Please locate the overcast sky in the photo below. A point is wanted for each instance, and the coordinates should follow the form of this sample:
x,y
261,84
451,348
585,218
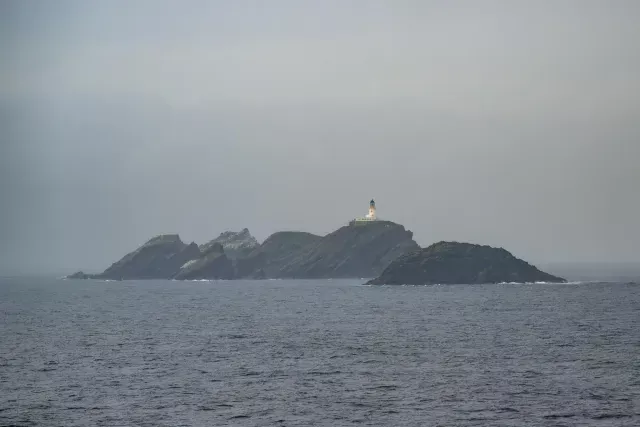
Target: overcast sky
x,y
510,123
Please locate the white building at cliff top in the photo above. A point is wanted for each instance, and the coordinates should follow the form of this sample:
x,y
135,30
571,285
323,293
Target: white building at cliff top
x,y
371,216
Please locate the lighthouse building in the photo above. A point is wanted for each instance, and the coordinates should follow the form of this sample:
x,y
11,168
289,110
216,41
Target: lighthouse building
x,y
371,216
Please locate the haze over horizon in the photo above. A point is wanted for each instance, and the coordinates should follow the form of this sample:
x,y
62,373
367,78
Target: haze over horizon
x,y
513,125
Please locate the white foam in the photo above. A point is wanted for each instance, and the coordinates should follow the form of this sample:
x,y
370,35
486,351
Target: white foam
x,y
188,263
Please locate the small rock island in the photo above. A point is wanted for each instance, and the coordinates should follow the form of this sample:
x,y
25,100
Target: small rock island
x,y
460,263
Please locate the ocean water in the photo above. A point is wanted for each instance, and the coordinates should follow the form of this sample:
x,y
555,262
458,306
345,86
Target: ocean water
x,y
326,353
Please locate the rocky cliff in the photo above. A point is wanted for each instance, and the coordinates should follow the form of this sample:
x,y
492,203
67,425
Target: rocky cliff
x,y
159,258
351,251
453,262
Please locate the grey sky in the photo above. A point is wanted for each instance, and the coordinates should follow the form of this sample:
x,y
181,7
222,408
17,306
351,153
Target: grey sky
x,y
509,123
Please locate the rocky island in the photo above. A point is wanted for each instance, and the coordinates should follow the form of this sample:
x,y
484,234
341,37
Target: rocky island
x,y
366,247
453,262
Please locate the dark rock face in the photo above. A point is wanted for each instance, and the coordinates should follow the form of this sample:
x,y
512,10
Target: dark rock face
x,y
351,251
453,262
214,264
159,258
215,248
236,244
274,254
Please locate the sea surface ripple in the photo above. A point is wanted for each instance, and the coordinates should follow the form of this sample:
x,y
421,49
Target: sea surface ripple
x,y
325,353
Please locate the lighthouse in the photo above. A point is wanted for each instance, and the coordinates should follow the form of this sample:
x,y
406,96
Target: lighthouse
x,y
369,218
372,210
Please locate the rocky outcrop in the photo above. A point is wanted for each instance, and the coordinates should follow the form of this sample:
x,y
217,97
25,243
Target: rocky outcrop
x,y
236,244
213,264
218,256
351,251
159,258
80,275
453,262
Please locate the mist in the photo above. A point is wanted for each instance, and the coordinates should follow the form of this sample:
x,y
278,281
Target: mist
x,y
514,125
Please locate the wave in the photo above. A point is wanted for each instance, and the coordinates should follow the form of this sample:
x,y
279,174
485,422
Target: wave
x,y
486,284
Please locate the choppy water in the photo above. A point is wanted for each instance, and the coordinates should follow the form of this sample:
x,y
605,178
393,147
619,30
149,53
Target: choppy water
x,y
332,353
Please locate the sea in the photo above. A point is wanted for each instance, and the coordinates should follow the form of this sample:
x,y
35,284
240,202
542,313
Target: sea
x,y
317,353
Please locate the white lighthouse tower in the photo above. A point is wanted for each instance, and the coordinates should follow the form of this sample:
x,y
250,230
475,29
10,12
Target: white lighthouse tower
x,y
369,218
372,210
